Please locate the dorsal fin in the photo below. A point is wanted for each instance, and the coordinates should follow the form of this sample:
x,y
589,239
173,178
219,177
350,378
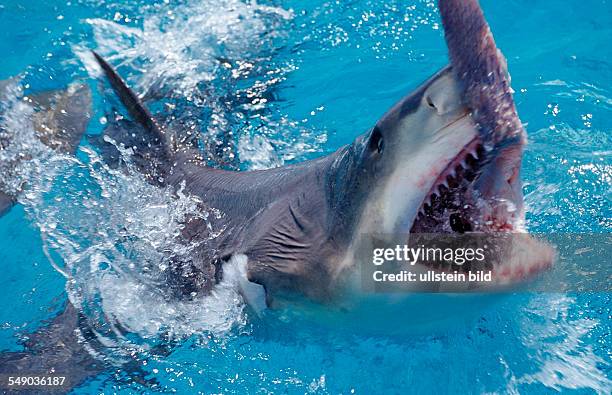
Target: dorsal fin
x,y
132,103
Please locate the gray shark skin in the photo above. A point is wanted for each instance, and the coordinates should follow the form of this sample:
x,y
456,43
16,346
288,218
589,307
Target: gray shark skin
x,y
296,222
440,161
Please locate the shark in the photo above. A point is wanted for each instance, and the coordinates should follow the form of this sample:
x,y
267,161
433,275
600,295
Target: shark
x,y
445,159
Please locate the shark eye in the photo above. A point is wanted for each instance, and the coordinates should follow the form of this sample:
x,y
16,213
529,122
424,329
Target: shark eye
x,y
377,143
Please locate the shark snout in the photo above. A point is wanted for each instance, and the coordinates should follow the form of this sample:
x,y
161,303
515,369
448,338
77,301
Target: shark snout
x,y
443,97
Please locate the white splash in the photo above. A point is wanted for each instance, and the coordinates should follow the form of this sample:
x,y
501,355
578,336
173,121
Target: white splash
x,y
110,233
108,230
21,153
217,60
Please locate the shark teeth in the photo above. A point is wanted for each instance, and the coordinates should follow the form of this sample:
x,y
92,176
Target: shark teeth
x,y
456,172
456,167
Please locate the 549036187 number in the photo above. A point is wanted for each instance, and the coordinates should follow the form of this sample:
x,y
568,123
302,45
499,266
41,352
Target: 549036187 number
x,y
12,381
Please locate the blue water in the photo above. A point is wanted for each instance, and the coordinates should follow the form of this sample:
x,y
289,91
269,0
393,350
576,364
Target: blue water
x,y
327,71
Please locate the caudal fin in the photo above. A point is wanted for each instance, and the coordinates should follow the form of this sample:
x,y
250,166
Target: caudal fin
x,y
59,120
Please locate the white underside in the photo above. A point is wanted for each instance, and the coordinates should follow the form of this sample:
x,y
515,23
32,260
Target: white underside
x,y
235,270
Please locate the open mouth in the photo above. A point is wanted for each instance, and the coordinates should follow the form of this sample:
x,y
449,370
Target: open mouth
x,y
454,205
457,205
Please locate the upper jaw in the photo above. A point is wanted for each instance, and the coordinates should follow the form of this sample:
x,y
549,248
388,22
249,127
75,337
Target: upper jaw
x,y
488,196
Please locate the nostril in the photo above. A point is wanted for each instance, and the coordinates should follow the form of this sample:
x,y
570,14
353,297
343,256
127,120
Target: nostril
x,y
430,102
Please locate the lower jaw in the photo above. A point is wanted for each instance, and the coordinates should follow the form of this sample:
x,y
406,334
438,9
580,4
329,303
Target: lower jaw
x,y
513,258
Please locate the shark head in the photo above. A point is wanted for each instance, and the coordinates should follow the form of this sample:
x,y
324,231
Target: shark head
x,y
447,157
